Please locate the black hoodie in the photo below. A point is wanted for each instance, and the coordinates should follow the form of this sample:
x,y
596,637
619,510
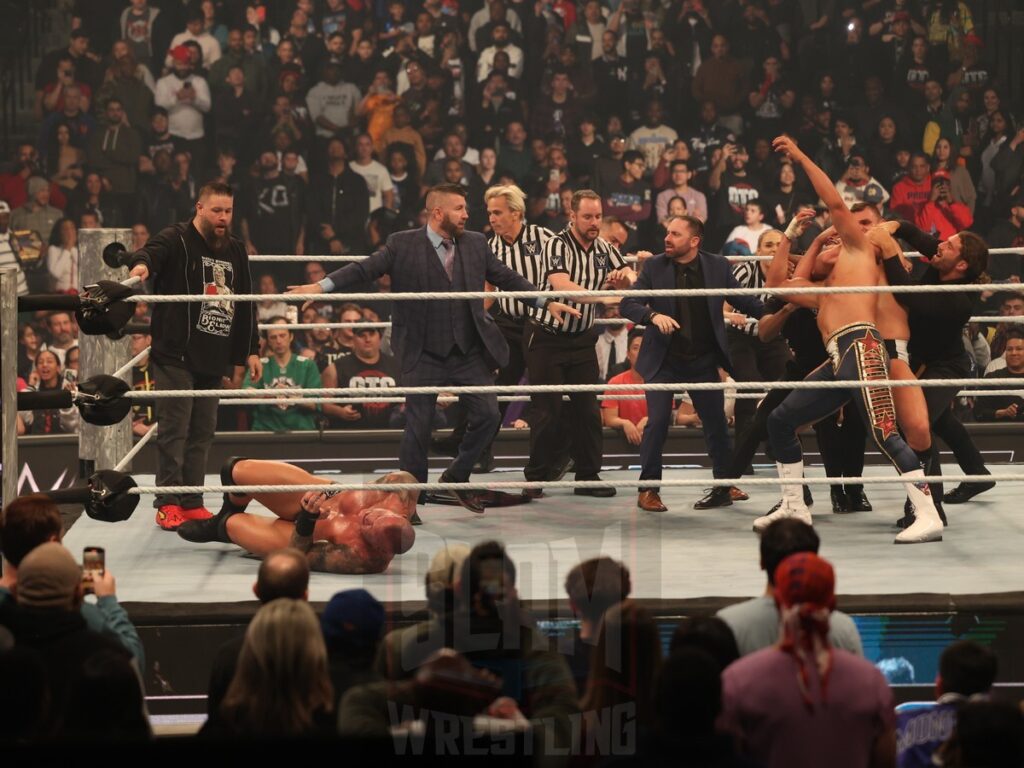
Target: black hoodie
x,y
209,337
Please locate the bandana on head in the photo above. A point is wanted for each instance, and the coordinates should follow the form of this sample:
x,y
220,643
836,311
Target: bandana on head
x,y
805,592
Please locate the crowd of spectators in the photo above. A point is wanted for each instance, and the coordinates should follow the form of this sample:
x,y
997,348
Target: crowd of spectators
x,y
331,118
777,680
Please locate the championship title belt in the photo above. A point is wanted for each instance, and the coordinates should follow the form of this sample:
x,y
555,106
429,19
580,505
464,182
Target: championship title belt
x,y
28,248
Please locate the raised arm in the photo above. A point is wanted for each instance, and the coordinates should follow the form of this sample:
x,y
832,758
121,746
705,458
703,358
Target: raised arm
x,y
844,222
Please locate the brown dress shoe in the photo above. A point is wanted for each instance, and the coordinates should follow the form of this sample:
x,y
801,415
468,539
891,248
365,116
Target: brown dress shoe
x,y
737,495
650,501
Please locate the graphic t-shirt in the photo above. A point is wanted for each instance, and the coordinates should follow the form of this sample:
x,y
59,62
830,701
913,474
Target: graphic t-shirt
x,y
300,372
374,377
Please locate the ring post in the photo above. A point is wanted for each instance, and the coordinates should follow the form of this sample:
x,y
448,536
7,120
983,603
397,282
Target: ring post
x,y
9,382
102,447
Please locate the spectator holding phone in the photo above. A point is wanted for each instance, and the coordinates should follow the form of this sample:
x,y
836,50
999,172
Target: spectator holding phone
x,y
32,520
941,215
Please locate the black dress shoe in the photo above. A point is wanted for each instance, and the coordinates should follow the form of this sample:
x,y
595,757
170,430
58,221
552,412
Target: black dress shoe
x,y
562,469
808,499
856,501
600,493
717,497
965,492
469,499
446,446
839,500
484,464
533,493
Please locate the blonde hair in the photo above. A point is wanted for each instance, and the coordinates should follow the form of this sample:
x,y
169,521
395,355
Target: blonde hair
x,y
515,198
281,680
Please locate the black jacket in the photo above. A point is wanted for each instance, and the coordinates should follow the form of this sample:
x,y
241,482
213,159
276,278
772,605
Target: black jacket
x,y
343,201
205,337
936,321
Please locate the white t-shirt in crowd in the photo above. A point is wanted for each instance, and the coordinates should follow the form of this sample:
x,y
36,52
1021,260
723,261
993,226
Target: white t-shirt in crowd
x,y
378,180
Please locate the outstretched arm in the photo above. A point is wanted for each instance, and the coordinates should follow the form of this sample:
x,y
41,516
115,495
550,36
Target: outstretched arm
x,y
842,219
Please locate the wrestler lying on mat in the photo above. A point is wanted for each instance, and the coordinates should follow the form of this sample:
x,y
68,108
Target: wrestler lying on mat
x,y
340,532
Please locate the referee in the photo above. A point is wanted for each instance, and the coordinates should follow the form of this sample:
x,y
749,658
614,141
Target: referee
x,y
520,247
577,258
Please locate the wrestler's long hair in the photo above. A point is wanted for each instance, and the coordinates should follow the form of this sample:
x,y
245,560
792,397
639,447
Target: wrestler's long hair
x,y
281,682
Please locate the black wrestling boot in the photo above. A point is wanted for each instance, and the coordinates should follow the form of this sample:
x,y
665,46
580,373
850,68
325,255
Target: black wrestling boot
x,y
839,500
415,519
216,527
808,498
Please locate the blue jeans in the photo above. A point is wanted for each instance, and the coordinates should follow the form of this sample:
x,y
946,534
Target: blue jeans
x,y
709,404
858,354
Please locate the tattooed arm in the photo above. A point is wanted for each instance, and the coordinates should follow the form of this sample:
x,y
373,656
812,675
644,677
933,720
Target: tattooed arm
x,y
326,557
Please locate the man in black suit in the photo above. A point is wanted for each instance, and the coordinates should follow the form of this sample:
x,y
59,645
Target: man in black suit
x,y
685,342
441,343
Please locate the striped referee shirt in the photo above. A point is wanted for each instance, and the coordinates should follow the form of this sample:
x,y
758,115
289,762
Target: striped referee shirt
x,y
524,255
587,268
749,275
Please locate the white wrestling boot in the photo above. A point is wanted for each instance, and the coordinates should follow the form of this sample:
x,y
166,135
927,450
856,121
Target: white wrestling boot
x,y
927,525
792,498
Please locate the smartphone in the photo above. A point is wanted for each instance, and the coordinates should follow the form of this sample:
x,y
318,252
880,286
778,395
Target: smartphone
x,y
94,561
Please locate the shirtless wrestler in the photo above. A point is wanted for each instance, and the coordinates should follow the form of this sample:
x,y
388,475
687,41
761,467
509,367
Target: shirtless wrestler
x,y
893,324
857,352
346,532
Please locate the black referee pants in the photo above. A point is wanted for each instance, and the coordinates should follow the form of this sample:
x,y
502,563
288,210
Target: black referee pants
x,y
944,422
561,358
754,360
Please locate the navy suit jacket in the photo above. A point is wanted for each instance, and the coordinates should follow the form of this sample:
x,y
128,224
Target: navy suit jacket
x,y
659,273
414,266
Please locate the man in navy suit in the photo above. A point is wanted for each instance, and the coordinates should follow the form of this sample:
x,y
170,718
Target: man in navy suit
x,y
441,343
684,341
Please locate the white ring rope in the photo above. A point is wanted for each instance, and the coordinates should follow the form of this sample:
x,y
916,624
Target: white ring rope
x,y
462,295
287,258
990,319
127,367
562,388
229,400
566,484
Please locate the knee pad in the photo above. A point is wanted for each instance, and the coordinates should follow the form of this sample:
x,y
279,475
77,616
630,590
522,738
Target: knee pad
x,y
227,469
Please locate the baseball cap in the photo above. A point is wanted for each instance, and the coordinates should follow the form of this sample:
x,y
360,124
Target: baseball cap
x,y
180,54
4,207
900,16
874,194
352,619
77,33
48,577
941,175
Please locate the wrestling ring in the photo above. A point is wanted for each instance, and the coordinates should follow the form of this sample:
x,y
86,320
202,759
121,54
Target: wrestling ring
x,y
682,562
